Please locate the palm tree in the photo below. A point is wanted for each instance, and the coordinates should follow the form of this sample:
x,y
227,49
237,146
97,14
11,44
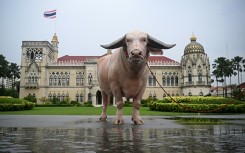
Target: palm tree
x,y
14,70
237,63
220,67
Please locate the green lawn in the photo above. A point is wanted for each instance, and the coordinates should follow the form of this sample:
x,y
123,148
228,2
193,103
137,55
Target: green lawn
x,y
144,111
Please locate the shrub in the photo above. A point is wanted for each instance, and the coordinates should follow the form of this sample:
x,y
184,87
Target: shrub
x,y
198,104
238,94
87,104
31,98
14,104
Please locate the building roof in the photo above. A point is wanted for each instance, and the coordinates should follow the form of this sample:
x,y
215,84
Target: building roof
x,y
68,58
242,85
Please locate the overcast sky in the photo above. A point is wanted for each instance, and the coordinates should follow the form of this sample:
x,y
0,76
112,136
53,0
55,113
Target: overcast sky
x,y
83,25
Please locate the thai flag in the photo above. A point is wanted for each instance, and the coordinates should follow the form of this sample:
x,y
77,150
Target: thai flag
x,y
50,14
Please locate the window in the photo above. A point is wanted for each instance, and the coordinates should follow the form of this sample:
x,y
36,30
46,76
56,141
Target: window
x,y
81,97
163,81
59,79
189,78
150,80
176,80
51,80
154,80
168,81
77,97
49,96
172,80
89,97
90,78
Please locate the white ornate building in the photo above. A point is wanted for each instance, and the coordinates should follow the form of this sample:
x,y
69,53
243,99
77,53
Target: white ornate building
x,y
43,74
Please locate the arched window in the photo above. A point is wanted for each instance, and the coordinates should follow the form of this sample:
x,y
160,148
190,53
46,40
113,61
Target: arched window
x,y
172,80
49,96
67,80
58,96
163,81
67,96
63,97
190,94
54,95
55,80
77,97
201,93
199,77
168,81
150,80
90,97
90,78
176,80
81,97
154,81
29,79
59,80
50,80
63,80
28,55
78,80
32,55
189,78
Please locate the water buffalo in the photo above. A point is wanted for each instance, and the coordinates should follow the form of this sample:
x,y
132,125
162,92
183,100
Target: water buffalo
x,y
124,73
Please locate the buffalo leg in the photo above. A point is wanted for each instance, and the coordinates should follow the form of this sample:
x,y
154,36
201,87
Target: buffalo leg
x,y
103,115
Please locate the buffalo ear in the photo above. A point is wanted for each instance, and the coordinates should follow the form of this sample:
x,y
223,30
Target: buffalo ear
x,y
157,44
155,51
115,44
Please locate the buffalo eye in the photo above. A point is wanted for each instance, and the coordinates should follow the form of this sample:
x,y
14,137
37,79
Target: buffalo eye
x,y
143,40
128,40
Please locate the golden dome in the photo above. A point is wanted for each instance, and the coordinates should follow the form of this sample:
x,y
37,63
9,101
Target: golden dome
x,y
193,46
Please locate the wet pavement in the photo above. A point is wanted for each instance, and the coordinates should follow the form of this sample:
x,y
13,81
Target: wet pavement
x,y
68,134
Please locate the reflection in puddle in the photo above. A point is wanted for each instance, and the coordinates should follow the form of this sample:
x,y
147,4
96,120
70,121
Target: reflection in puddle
x,y
192,138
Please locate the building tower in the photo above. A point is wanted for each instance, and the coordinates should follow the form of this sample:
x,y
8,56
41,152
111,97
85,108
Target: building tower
x,y
195,79
34,59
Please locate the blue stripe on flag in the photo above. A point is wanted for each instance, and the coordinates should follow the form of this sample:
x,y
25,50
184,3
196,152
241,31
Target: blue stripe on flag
x,y
50,14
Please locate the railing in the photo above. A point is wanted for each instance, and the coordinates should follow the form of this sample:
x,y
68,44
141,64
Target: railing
x,y
163,63
31,85
67,63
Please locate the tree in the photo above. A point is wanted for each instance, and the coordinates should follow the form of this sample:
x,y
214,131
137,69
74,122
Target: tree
x,y
14,71
237,65
3,70
220,69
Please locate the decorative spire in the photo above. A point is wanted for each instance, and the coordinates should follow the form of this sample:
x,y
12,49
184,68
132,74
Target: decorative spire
x,y
193,37
55,39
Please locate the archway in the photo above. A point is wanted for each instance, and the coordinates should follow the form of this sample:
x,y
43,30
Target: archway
x,y
98,98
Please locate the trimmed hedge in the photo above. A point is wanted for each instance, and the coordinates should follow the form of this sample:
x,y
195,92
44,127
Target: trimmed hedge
x,y
15,104
198,104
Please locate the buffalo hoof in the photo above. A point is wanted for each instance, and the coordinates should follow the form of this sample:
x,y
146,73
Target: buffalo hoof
x,y
119,121
138,121
103,118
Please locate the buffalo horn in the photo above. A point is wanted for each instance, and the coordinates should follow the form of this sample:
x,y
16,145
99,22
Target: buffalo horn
x,y
153,42
115,44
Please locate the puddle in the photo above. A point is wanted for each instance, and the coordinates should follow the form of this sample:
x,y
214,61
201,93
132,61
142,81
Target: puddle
x,y
193,138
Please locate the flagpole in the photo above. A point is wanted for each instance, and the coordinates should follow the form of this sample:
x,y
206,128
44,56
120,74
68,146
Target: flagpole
x,y
55,22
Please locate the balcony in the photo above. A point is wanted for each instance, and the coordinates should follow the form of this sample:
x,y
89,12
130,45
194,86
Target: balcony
x,y
31,85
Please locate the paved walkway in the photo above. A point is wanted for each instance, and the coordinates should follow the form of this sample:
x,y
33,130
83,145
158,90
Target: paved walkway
x,y
66,121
